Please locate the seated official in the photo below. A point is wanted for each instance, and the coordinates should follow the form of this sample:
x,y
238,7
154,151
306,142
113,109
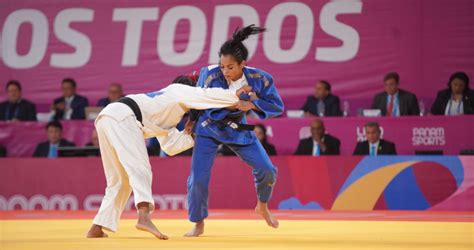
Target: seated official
x,y
322,103
395,101
70,106
114,93
16,108
457,99
319,143
49,148
374,146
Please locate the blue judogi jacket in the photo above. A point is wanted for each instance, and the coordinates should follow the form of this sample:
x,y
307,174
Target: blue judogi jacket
x,y
269,102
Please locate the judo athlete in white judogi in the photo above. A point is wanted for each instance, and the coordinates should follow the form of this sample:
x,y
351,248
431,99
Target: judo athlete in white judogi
x,y
122,127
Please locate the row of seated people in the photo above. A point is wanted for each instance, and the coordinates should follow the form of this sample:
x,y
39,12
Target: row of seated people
x,y
69,106
457,99
320,143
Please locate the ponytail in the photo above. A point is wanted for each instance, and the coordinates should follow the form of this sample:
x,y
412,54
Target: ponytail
x,y
235,47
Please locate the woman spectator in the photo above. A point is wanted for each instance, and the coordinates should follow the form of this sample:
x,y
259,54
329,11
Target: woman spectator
x,y
457,99
261,133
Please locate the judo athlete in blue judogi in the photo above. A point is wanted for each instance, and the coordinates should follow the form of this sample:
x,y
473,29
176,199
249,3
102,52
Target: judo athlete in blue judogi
x,y
226,126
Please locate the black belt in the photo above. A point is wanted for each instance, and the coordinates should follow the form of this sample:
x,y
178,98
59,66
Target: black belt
x,y
235,125
133,106
232,123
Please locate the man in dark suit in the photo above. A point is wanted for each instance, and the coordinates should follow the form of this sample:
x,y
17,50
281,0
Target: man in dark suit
x,y
395,101
70,106
322,103
457,99
114,93
16,108
49,148
374,145
319,143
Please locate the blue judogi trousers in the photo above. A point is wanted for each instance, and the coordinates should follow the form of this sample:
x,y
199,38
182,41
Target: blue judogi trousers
x,y
204,153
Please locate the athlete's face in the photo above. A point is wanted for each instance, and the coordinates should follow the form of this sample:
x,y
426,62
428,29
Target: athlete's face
x,y
231,69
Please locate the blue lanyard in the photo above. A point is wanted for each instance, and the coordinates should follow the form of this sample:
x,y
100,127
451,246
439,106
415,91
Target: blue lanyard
x,y
458,110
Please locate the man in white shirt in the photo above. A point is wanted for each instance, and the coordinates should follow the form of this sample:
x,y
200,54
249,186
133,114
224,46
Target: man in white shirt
x,y
122,127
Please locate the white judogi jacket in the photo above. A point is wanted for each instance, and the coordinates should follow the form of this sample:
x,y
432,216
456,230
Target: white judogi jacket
x,y
163,110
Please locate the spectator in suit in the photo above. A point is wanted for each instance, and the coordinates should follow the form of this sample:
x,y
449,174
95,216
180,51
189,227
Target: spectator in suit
x,y
322,103
70,106
16,108
114,93
3,151
374,145
395,101
49,148
457,99
320,143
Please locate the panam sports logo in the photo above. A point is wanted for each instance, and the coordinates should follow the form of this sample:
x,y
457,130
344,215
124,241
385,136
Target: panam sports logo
x,y
428,136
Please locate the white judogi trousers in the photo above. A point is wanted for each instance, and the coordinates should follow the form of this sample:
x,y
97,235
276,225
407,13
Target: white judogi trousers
x,y
127,168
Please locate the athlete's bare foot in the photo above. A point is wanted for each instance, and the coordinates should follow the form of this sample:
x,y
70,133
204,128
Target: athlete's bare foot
x,y
262,209
96,232
145,224
197,230
151,228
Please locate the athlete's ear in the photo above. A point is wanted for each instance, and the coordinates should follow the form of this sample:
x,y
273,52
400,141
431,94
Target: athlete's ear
x,y
243,64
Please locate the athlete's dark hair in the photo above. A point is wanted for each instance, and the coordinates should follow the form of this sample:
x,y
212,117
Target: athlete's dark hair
x,y
186,80
235,47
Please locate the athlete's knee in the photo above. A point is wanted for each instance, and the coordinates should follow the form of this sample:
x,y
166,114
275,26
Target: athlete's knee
x,y
198,181
267,175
